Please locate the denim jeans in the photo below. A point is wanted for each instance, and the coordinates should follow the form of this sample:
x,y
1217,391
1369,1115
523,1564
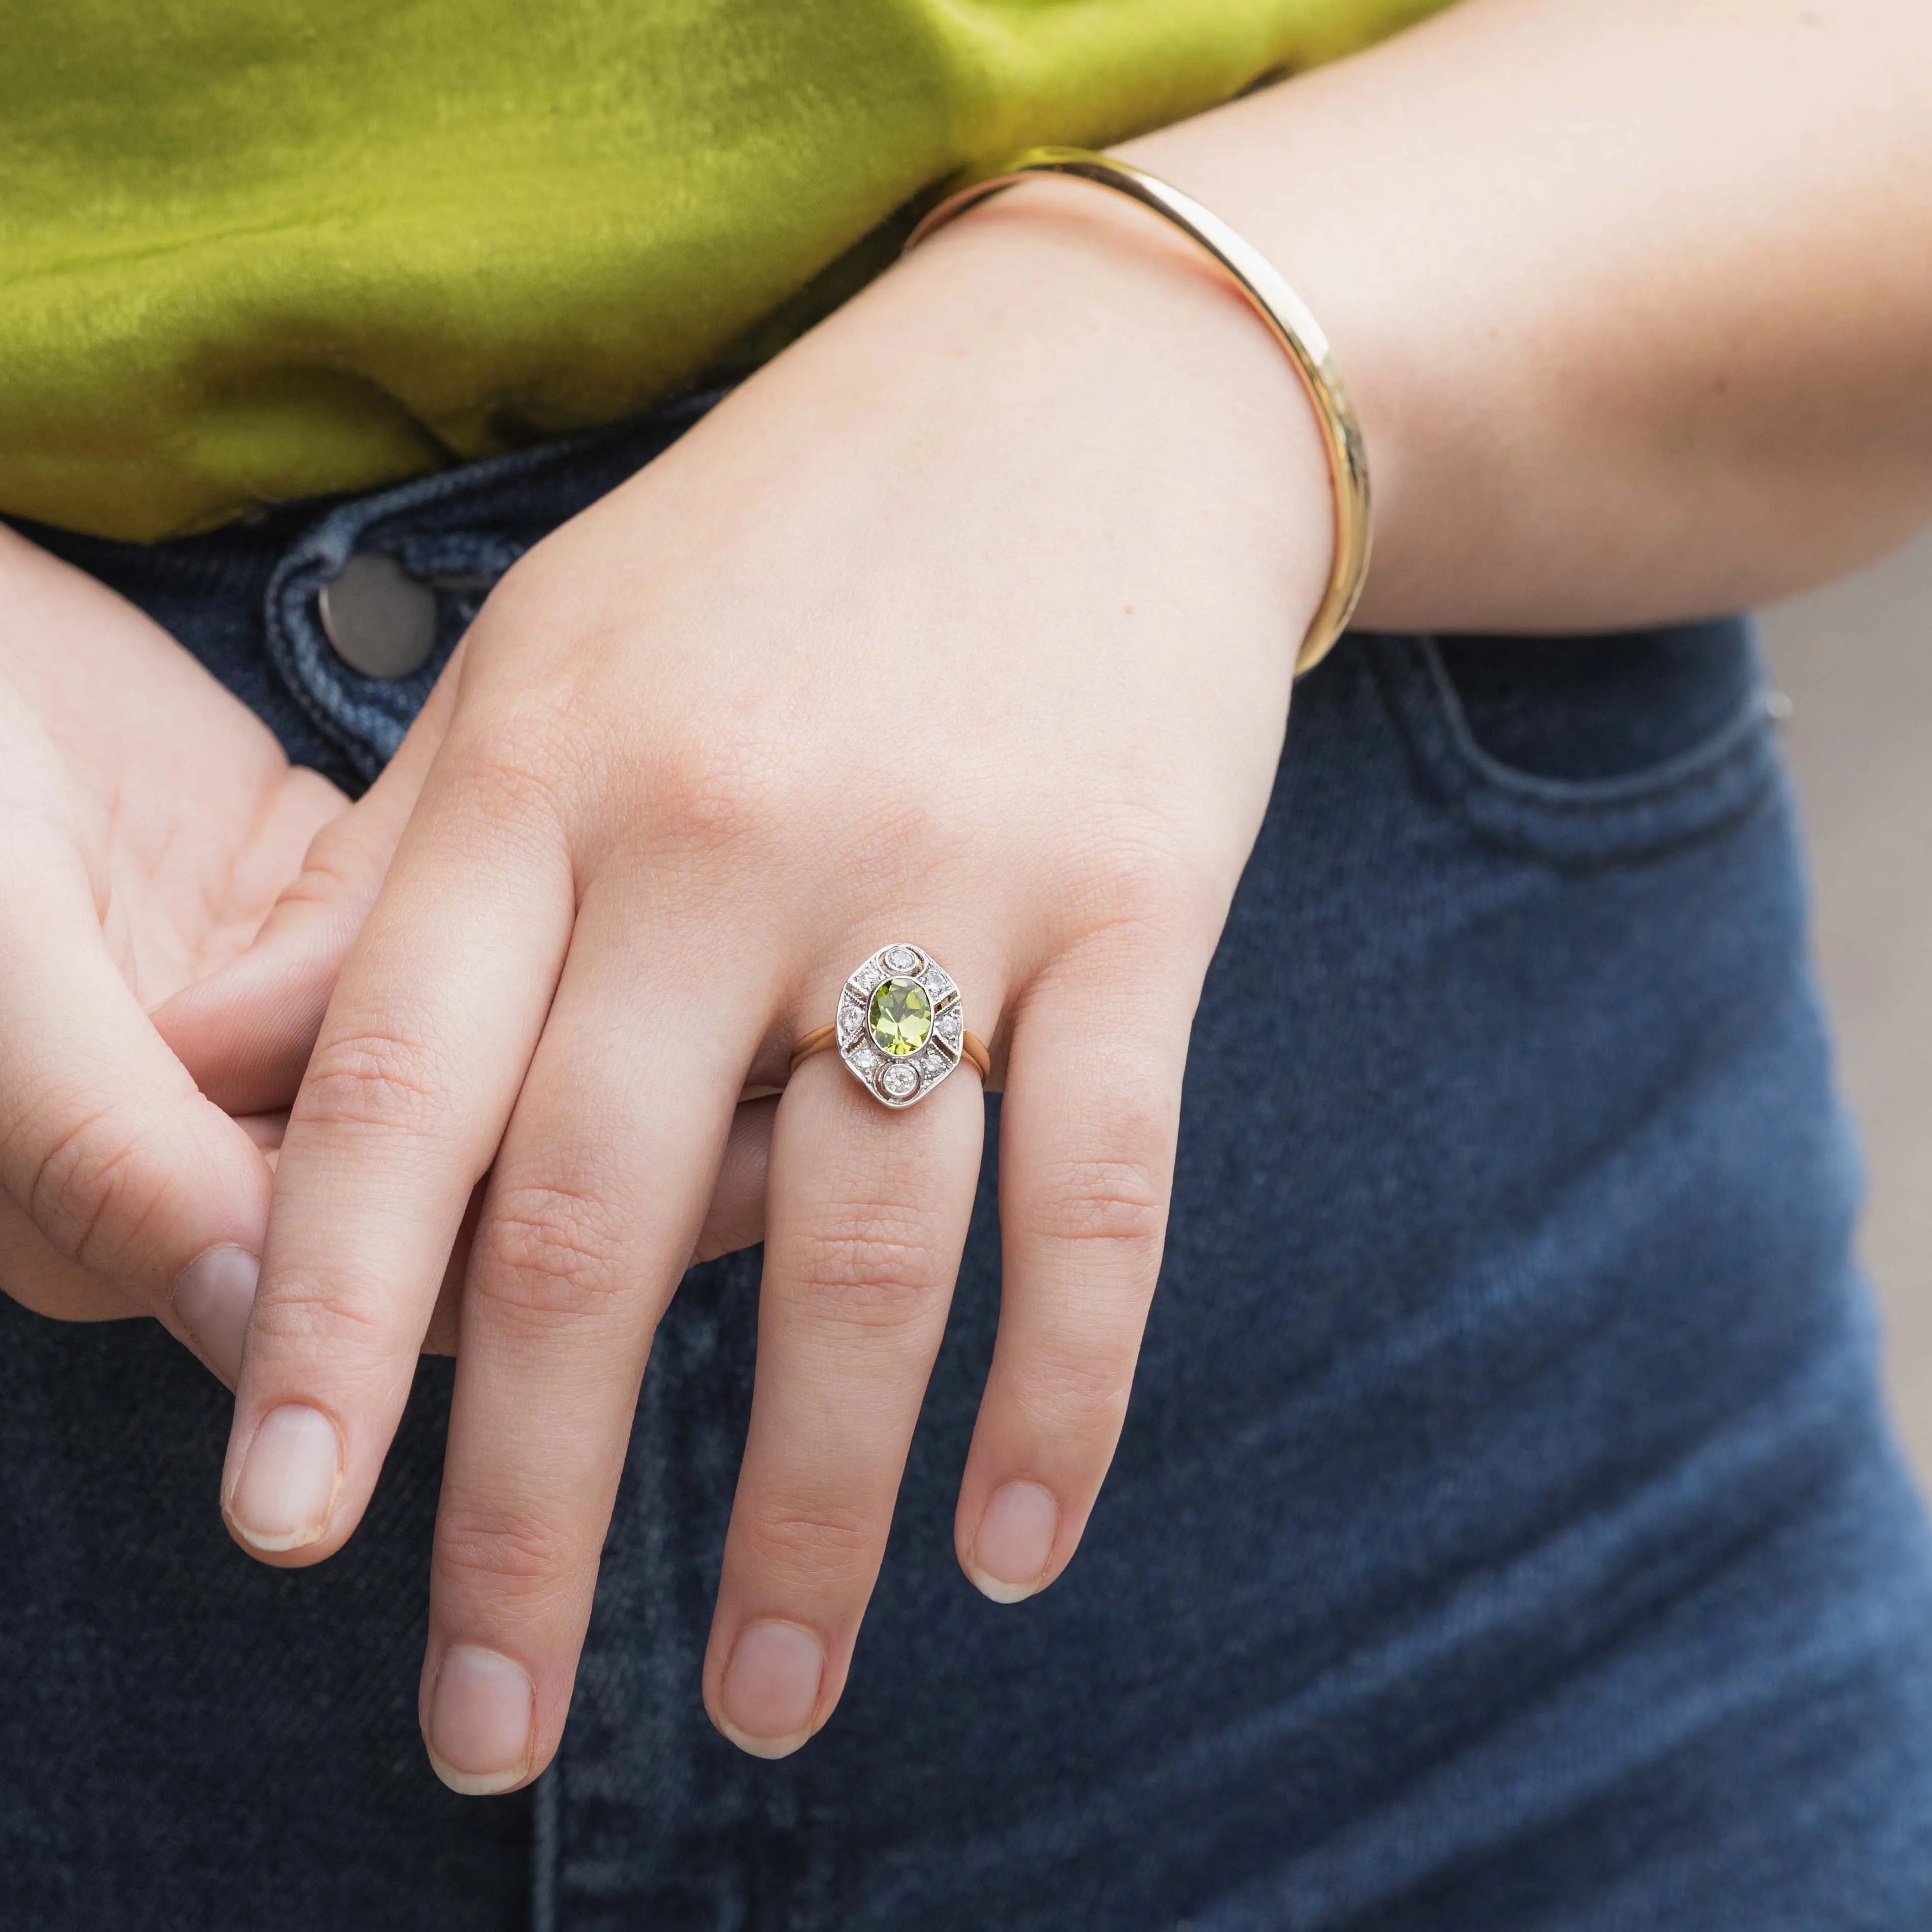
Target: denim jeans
x,y
1507,1533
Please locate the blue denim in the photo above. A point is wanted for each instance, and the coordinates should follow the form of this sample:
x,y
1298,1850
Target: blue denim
x,y
1507,1534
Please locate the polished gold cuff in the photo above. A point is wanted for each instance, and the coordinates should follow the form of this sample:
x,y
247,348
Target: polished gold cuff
x,y
1277,304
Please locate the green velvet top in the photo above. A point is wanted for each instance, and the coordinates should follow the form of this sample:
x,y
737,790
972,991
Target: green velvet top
x,y
257,249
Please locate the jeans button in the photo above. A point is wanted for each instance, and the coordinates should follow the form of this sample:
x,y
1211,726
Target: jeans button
x,y
380,619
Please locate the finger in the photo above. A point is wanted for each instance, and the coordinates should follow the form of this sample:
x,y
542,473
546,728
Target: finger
x,y
590,1218
125,1169
246,1031
32,1274
266,1131
1087,1146
867,1213
445,1321
736,1218
404,1101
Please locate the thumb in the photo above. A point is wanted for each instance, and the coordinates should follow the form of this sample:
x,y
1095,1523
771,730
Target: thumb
x,y
245,1032
124,1172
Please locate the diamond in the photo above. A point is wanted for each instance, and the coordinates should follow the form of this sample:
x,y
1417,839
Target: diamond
x,y
950,1026
937,982
899,1082
864,1058
902,959
900,1018
868,976
931,1064
851,1020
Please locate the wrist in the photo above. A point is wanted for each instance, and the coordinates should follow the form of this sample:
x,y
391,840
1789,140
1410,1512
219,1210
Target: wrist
x,y
1273,301
1099,361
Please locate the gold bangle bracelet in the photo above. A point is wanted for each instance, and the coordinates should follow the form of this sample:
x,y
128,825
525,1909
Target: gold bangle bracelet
x,y
1278,305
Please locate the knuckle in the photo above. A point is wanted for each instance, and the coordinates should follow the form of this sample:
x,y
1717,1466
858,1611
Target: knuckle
x,y
820,1543
515,769
548,1252
373,1078
872,1269
99,1188
303,1311
1078,1393
342,866
1136,872
1118,1202
703,797
491,1547
1135,891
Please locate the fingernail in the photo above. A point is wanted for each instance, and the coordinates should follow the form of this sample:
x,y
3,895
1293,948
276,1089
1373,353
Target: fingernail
x,y
481,1715
771,1688
1015,1542
213,1300
287,1485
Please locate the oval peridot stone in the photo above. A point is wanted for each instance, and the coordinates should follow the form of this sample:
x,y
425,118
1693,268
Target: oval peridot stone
x,y
901,1017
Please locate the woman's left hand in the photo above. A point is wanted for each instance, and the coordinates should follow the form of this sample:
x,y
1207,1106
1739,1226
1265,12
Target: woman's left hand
x,y
970,621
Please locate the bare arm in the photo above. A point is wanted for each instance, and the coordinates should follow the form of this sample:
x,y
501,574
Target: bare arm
x,y
908,637
1635,299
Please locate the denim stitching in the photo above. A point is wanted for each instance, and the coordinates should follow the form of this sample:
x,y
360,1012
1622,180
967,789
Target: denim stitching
x,y
1584,823
1701,764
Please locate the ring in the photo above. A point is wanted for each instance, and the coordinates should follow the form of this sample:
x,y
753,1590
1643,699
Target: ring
x,y
899,1030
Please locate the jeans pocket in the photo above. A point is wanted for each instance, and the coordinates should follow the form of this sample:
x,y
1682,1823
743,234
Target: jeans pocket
x,y
1586,751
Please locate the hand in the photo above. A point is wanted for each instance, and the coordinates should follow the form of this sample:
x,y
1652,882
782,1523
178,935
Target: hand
x,y
175,885
148,822
979,637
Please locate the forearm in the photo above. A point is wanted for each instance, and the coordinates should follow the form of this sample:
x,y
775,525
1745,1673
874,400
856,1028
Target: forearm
x,y
1635,301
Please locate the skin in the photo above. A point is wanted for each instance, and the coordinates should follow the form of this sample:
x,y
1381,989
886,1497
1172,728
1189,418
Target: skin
x,y
180,900
1636,304
148,823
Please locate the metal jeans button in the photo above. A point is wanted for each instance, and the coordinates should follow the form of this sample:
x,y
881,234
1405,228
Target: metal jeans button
x,y
380,619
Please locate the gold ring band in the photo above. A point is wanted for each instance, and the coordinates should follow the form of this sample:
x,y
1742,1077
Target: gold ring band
x,y
971,1047
1269,295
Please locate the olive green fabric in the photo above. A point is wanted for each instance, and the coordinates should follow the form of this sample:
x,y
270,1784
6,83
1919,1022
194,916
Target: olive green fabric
x,y
257,249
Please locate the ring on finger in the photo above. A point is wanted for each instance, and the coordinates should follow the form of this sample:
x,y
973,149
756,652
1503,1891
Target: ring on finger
x,y
899,1029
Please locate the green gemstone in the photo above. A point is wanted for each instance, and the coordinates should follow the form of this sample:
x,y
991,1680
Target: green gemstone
x,y
901,1017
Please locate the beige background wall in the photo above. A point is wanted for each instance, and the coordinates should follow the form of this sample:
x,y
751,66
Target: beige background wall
x,y
1856,661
